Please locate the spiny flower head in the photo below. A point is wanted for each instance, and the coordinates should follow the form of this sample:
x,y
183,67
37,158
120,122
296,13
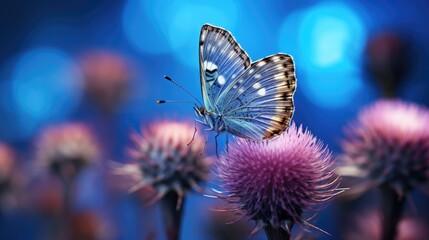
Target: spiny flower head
x,y
389,145
67,145
273,182
166,162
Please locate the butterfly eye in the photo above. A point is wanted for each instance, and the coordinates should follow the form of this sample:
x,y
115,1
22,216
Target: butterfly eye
x,y
202,110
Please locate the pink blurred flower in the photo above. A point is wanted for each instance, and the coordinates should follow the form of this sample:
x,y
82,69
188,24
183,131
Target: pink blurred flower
x,y
273,182
388,146
66,149
165,162
168,165
107,76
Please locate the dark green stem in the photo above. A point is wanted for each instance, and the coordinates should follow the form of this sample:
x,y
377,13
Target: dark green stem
x,y
391,207
172,215
277,233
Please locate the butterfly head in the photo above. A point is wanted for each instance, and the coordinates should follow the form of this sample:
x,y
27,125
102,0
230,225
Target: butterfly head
x,y
200,111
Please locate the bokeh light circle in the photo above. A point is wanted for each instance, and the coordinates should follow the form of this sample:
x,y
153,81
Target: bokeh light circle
x,y
144,23
327,41
160,27
184,30
46,86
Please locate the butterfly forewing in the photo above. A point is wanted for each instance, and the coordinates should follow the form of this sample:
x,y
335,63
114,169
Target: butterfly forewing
x,y
259,104
221,61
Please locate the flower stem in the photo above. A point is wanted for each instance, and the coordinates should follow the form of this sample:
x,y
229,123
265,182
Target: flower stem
x,y
172,215
277,233
66,221
391,206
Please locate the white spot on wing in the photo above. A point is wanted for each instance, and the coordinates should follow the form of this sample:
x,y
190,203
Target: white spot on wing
x,y
221,80
210,66
251,71
262,63
261,92
256,85
258,76
241,90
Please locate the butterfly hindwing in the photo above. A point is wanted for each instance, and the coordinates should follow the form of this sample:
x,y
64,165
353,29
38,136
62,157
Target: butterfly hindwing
x,y
221,61
259,104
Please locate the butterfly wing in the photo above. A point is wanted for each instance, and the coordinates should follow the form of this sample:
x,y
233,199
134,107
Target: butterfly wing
x,y
259,104
221,61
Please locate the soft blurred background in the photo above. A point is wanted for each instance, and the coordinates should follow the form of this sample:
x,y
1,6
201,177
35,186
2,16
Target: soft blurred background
x,y
100,63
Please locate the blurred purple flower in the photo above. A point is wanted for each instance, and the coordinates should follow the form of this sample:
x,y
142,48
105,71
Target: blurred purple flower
x,y
107,78
169,167
165,162
388,146
66,149
273,182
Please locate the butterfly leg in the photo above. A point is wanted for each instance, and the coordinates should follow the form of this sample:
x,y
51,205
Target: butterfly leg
x,y
217,152
227,141
205,143
195,131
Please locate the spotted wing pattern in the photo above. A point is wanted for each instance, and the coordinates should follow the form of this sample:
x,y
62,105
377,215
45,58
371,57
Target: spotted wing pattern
x,y
254,100
221,61
259,104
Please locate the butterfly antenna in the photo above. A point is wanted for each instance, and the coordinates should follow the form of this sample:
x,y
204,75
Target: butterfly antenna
x,y
181,87
173,101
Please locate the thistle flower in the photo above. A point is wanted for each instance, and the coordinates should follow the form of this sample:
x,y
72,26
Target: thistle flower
x,y
66,149
107,76
166,163
389,145
273,182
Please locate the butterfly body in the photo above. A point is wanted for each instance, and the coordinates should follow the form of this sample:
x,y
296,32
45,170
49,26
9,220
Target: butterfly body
x,y
252,100
210,119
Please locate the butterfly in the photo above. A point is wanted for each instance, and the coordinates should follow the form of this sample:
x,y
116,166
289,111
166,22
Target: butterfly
x,y
251,100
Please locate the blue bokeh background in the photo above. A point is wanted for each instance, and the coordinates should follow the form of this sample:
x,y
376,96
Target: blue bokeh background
x,y
41,79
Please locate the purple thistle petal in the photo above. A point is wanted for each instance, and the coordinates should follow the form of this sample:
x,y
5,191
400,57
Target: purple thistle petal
x,y
164,160
389,144
273,182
